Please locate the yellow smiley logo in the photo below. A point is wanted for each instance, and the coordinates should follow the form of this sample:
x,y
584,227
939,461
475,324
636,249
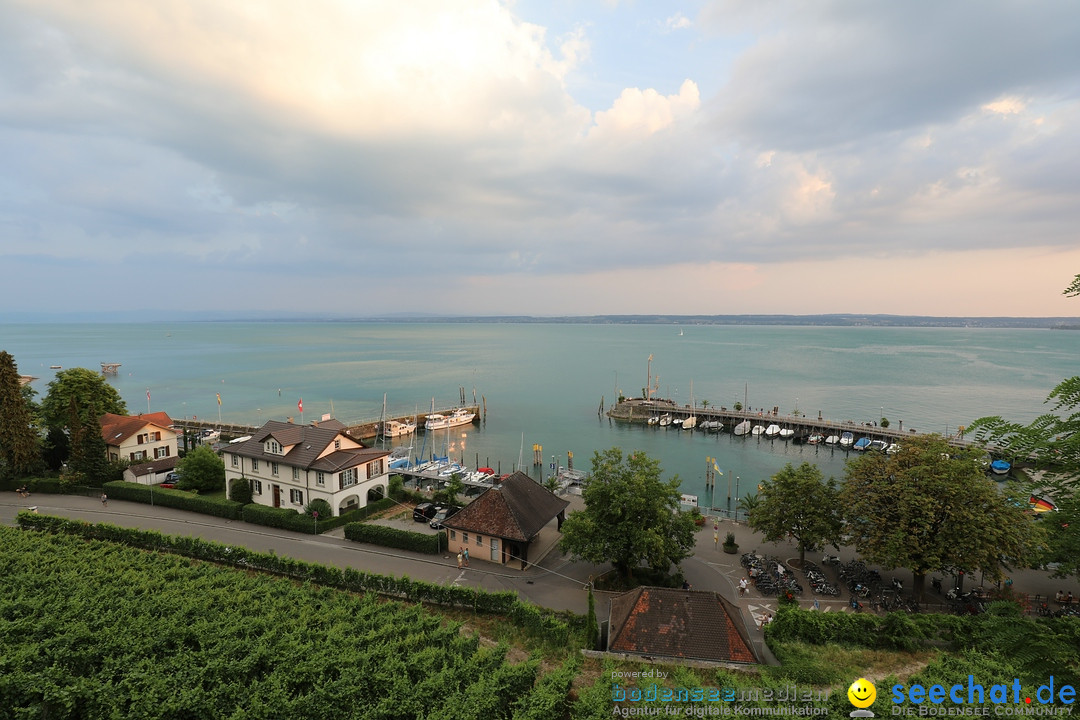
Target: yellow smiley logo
x,y
862,693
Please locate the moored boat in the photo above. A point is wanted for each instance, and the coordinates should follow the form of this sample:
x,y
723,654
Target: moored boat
x,y
862,444
758,430
786,433
879,445
396,428
665,420
772,431
1000,467
437,421
816,439
742,428
847,440
832,440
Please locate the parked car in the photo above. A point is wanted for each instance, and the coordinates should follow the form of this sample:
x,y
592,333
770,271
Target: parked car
x,y
171,480
425,511
443,514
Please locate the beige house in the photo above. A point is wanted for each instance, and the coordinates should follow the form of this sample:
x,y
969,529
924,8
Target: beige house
x,y
138,438
290,465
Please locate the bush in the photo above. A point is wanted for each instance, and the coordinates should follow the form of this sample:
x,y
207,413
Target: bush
x,y
179,499
320,506
240,490
392,537
281,518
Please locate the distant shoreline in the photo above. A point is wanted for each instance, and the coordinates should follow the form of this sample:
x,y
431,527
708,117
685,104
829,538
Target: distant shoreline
x,y
826,320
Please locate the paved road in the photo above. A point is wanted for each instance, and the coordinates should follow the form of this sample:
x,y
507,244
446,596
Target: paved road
x,y
555,582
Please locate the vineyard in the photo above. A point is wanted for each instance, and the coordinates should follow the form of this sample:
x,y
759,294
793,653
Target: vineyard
x,y
93,629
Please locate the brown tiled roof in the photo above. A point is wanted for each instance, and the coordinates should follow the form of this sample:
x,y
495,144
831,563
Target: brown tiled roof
x,y
517,509
117,428
692,624
307,443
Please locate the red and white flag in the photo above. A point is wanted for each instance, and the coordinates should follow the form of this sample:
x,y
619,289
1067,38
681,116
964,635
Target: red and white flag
x,y
300,405
147,394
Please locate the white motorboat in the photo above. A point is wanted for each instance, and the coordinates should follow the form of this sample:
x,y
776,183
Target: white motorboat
x,y
689,423
399,458
742,428
677,422
832,440
879,445
458,417
758,430
816,439
665,420
786,433
654,420
772,431
893,448
395,428
847,440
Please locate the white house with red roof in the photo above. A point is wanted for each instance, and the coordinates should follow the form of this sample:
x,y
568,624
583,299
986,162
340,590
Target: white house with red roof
x,y
138,438
290,465
146,441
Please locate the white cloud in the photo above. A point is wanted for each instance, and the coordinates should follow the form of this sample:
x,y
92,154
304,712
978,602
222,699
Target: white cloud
x,y
678,21
637,112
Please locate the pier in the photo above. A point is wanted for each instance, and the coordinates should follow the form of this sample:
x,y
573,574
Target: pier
x,y
361,429
639,410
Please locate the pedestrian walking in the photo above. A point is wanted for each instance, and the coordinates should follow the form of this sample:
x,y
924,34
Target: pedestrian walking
x,y
816,606
104,500
466,557
743,586
460,559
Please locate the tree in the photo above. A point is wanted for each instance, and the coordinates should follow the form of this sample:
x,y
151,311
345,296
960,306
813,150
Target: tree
x,y
89,455
931,507
631,516
19,440
92,394
798,502
201,470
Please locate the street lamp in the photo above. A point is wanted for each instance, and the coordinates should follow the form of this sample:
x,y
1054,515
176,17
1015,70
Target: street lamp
x,y
315,514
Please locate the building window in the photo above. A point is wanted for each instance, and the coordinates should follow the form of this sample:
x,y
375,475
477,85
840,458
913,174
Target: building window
x,y
320,479
254,465
375,469
273,469
296,473
256,487
273,447
337,444
465,538
297,497
480,540
347,478
453,534
235,460
156,437
161,452
136,456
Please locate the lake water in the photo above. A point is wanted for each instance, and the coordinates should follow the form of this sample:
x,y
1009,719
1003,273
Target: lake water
x,y
543,383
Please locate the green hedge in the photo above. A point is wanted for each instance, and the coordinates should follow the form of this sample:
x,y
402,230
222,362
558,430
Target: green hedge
x,y
179,499
395,538
541,623
894,631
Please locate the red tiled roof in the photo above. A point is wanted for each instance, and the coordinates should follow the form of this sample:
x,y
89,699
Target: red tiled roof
x,y
692,624
117,428
517,509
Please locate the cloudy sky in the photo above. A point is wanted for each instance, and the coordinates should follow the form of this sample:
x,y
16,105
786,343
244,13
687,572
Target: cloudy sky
x,y
541,157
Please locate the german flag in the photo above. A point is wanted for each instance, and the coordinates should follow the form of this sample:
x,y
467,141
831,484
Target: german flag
x,y
1040,504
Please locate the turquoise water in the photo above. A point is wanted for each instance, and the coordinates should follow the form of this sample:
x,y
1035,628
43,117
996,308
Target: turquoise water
x,y
543,383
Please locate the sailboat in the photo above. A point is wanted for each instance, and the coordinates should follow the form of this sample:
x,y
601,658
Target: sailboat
x,y
690,422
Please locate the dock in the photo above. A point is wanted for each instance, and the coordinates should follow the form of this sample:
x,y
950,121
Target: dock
x,y
361,429
639,410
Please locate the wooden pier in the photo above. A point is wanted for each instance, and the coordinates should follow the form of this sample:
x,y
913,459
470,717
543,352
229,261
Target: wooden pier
x,y
638,410
362,429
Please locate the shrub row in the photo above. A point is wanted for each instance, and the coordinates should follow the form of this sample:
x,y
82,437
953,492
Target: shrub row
x,y
179,499
395,538
894,631
538,622
291,519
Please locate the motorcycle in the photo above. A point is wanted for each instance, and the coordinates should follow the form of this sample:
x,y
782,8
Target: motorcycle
x,y
897,585
828,559
936,584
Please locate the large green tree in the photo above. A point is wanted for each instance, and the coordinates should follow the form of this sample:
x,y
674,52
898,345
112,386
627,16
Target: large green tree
x,y
201,470
631,516
931,507
800,503
19,439
93,397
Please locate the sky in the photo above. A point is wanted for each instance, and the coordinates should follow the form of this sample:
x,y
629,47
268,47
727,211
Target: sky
x,y
539,157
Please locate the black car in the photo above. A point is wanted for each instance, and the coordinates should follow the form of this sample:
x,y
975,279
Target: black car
x,y
443,514
425,511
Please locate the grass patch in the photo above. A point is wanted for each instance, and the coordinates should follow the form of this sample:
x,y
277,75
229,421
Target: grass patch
x,y
826,665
